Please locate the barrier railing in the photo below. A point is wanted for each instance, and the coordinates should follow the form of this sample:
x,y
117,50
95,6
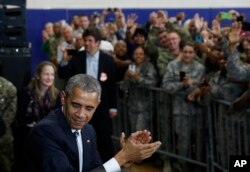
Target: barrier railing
x,y
229,134
206,138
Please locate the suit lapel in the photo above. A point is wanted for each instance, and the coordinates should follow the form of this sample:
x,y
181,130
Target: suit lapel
x,y
84,62
73,152
100,67
86,147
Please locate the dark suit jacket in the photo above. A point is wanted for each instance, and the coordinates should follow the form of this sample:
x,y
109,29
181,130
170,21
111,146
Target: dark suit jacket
x,y
51,147
106,67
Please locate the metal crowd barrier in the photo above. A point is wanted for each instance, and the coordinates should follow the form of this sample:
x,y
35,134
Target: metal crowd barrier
x,y
208,138
229,134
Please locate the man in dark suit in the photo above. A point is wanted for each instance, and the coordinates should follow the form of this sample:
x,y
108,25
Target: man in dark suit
x,y
101,66
53,146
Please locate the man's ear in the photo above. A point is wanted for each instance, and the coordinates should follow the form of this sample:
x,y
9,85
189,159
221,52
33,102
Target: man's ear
x,y
63,97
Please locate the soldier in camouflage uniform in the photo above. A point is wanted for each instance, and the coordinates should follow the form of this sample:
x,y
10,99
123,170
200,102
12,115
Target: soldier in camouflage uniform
x,y
139,101
187,115
223,88
238,71
55,41
47,34
235,68
170,49
8,101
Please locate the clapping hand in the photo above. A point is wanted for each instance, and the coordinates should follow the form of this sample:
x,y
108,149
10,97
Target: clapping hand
x,y
136,147
138,137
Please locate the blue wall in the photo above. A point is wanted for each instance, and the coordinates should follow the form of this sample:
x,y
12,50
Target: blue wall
x,y
37,18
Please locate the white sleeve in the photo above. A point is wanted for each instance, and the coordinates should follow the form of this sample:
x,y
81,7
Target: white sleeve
x,y
112,166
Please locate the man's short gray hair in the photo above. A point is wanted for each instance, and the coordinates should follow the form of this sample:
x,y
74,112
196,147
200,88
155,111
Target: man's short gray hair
x,y
85,82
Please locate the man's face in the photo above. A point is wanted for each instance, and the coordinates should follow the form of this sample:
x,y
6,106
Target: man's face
x,y
79,107
173,41
76,20
79,42
57,28
163,39
91,45
68,34
120,48
84,22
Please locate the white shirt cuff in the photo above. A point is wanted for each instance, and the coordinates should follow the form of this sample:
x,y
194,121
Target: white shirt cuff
x,y
112,166
112,110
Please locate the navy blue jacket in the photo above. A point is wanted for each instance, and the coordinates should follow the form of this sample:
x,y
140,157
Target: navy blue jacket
x,y
51,147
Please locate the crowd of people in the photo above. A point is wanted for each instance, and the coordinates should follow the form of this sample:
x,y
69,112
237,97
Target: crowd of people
x,y
194,60
185,57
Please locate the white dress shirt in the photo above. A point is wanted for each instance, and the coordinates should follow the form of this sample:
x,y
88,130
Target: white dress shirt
x,y
92,64
112,165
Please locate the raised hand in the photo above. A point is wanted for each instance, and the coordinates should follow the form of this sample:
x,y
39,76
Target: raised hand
x,y
131,20
198,21
234,34
216,28
162,19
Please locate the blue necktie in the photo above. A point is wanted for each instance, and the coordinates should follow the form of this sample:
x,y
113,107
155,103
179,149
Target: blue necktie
x,y
80,149
76,133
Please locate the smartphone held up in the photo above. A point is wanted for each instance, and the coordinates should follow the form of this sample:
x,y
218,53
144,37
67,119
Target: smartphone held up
x,y
132,67
182,75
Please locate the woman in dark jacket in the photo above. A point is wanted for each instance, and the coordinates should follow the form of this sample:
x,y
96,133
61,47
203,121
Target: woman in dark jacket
x,y
34,102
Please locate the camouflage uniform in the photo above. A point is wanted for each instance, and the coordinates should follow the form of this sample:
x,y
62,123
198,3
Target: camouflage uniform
x,y
237,71
235,67
152,37
8,101
188,121
46,46
165,56
54,43
151,46
227,89
224,88
139,100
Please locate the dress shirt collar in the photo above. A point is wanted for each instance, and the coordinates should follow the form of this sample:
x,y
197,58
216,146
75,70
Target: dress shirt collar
x,y
74,130
95,56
